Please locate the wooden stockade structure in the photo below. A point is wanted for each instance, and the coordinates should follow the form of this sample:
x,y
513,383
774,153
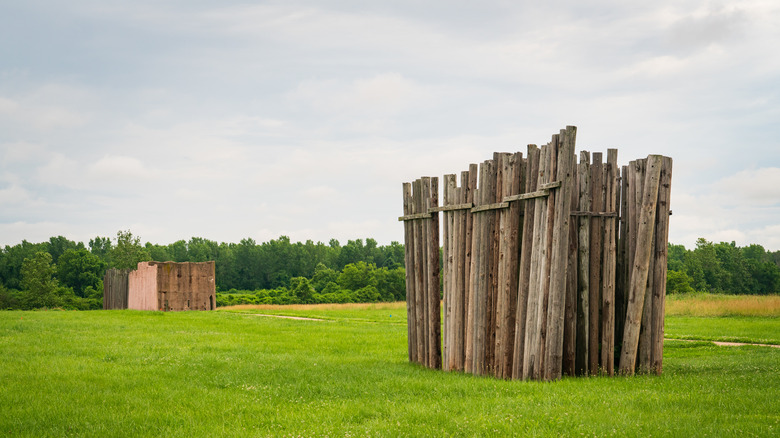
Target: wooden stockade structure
x,y
550,266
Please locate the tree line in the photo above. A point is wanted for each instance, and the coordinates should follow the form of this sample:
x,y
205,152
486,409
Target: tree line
x,y
723,268
67,274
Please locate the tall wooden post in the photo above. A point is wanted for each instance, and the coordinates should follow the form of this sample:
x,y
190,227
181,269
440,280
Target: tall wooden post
x,y
636,294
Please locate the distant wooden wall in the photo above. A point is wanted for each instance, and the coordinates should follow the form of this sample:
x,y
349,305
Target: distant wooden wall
x,y
115,283
161,286
550,266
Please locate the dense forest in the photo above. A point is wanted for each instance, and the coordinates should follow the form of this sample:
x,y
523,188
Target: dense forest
x,y
61,273
723,268
67,274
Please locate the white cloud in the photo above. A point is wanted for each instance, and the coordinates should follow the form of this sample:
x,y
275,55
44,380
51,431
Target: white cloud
x,y
13,194
383,94
241,111
120,168
753,185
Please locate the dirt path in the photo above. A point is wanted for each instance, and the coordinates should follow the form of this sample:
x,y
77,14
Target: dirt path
x,y
286,317
724,344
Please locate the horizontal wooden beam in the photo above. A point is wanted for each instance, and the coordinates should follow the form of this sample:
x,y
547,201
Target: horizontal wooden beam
x,y
529,195
452,207
411,217
592,213
486,207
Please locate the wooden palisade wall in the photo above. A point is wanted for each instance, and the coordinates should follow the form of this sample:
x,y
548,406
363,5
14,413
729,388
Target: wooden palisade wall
x,y
551,265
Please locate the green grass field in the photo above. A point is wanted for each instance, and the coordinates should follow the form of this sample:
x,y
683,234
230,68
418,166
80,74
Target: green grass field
x,y
234,373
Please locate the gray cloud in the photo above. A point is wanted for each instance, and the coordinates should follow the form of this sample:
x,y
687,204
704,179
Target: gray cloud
x,y
229,120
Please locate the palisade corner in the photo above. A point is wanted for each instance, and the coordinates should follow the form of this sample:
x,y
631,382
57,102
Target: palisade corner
x,y
550,267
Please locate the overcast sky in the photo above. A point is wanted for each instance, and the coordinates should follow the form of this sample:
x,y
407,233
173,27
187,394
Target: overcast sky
x,y
227,120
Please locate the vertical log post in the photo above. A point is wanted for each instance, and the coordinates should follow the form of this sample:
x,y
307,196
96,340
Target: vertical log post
x,y
448,254
434,296
530,343
409,263
659,273
531,182
419,274
608,267
508,264
639,272
559,260
621,289
494,182
583,267
570,318
594,301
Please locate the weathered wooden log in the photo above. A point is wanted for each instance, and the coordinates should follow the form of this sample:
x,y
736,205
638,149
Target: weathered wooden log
x,y
409,262
639,272
469,236
645,330
559,257
434,296
479,278
508,264
419,273
535,294
570,318
494,182
609,261
621,288
449,270
539,285
459,288
583,266
425,183
531,182
660,266
595,259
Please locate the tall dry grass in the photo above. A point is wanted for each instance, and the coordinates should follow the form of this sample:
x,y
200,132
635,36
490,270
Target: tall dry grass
x,y
676,305
344,306
722,305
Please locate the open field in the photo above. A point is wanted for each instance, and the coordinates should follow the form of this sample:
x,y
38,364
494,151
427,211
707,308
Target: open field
x,y
722,305
231,373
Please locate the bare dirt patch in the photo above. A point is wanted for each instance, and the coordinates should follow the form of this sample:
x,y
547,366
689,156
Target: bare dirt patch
x,y
724,344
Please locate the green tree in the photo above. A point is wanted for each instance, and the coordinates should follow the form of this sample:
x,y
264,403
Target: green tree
x,y
356,276
322,276
38,282
58,245
703,266
734,277
391,283
678,282
128,251
301,288
80,269
101,247
12,260
675,258
158,252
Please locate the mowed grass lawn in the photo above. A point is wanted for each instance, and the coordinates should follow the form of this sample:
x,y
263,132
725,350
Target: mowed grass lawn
x,y
235,373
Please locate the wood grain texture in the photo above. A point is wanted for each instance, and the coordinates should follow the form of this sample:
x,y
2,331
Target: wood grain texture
x,y
636,294
595,259
660,264
559,257
609,261
524,271
583,267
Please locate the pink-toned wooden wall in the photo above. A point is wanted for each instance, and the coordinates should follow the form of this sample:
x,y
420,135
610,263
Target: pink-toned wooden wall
x,y
142,287
172,286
